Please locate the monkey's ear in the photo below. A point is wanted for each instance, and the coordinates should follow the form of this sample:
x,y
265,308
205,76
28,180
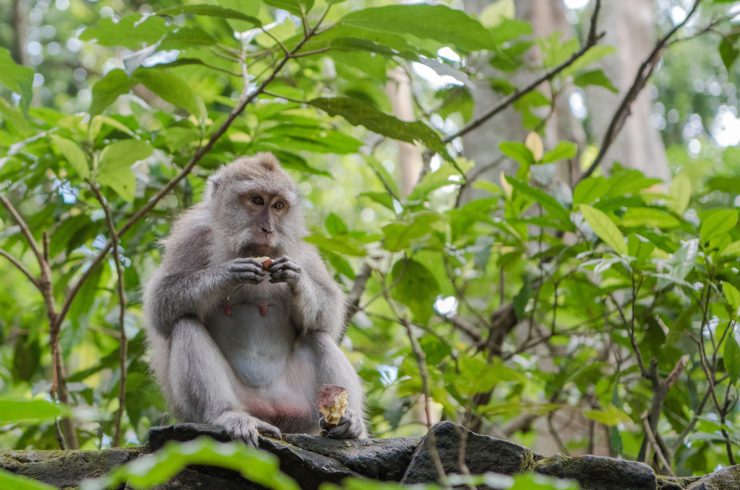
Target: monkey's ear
x,y
214,182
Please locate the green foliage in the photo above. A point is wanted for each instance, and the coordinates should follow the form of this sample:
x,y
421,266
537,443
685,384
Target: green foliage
x,y
525,296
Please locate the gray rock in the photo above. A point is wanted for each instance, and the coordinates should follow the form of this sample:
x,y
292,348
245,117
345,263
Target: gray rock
x,y
724,479
599,473
309,469
482,454
379,459
64,469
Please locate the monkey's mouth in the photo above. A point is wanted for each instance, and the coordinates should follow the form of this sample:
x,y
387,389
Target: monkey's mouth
x,y
256,249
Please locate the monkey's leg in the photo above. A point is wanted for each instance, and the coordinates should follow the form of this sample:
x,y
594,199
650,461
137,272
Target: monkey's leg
x,y
333,367
203,385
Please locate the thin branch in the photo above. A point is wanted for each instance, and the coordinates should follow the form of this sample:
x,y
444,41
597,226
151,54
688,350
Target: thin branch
x,y
591,40
123,346
18,265
25,230
641,77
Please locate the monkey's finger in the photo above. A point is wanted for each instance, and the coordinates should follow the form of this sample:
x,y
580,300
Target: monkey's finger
x,y
243,267
246,260
285,266
281,259
343,430
249,277
269,430
283,276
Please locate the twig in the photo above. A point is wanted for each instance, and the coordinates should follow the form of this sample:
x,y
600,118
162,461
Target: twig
x,y
656,446
123,346
358,288
591,40
641,77
20,267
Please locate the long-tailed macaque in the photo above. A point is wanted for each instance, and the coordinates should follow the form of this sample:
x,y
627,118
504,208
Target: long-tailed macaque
x,y
233,344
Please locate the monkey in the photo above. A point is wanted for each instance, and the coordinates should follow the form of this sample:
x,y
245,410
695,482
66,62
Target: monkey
x,y
241,347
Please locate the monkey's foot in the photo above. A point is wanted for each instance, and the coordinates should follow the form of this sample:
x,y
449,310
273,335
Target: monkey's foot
x,y
241,425
350,426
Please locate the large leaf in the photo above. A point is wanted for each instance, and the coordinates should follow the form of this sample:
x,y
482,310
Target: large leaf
x,y
210,11
732,295
14,410
562,151
416,287
605,228
295,7
108,89
360,113
716,223
595,77
639,216
171,88
680,193
437,22
132,31
15,77
16,482
548,202
154,469
73,153
114,169
517,151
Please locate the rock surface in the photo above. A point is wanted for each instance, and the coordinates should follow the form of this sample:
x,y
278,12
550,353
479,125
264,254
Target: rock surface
x,y
599,473
312,460
482,454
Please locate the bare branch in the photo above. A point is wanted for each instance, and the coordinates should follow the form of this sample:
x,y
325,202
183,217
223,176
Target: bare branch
x,y
641,77
25,230
591,40
123,340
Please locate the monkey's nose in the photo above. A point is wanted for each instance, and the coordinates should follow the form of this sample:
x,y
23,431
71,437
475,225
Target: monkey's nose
x,y
266,230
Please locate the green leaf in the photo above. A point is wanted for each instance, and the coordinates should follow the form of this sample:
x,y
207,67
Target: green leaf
x,y
132,31
171,88
562,151
590,190
517,151
187,37
335,225
154,469
114,169
416,287
436,22
548,202
360,113
680,193
639,247
732,356
295,7
15,410
609,416
716,223
728,50
210,11
595,77
73,153
108,89
732,295
639,216
684,259
604,228
16,482
17,78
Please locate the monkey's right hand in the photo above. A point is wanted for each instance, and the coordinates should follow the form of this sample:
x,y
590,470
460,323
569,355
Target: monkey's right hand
x,y
242,426
246,270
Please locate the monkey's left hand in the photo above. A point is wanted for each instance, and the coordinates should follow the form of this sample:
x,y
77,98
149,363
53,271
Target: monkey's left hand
x,y
349,427
284,269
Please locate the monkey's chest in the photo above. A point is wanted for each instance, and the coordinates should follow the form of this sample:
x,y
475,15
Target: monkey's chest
x,y
256,340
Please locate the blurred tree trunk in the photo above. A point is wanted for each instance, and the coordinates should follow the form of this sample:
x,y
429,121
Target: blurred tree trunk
x,y
629,26
410,161
19,22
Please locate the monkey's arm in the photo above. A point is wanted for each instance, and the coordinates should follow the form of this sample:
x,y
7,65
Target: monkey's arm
x,y
318,304
186,284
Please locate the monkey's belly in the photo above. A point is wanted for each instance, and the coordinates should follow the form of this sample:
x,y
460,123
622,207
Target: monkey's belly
x,y
256,346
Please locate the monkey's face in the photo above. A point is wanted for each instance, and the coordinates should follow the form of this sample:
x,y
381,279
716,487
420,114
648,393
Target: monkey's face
x,y
256,220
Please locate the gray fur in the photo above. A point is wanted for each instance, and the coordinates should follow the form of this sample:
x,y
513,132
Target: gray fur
x,y
256,364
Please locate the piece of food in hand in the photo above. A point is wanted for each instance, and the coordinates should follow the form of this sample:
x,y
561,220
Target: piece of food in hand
x,y
332,403
265,261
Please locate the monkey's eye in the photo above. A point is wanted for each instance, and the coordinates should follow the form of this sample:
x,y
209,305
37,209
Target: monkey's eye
x,y
279,205
258,200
